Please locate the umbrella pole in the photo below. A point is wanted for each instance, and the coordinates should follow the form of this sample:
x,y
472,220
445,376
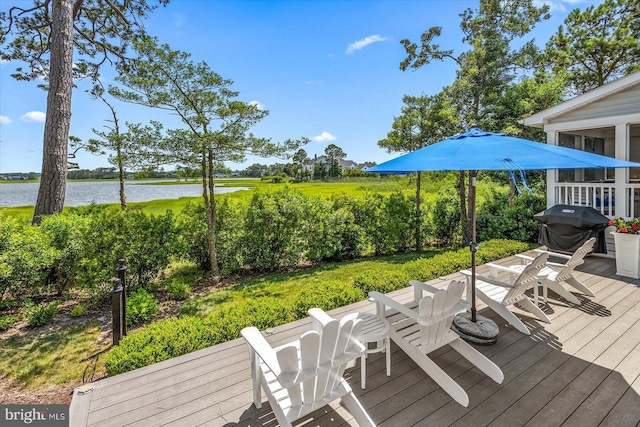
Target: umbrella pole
x,y
473,246
471,326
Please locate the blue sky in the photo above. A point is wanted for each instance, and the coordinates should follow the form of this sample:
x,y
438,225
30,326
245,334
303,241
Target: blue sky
x,y
326,70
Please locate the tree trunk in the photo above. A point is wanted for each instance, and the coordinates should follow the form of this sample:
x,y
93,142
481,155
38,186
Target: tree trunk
x,y
463,208
53,180
123,198
208,187
418,215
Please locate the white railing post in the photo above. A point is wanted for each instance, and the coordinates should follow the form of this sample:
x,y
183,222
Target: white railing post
x,y
621,150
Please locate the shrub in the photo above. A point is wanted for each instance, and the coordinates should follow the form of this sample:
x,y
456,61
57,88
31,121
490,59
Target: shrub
x,y
178,290
146,242
383,281
431,268
327,296
331,235
499,248
141,306
159,341
7,322
274,224
40,314
78,310
445,216
227,322
498,220
177,336
26,259
67,238
192,232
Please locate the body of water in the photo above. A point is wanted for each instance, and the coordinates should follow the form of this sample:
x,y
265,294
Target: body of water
x,y
85,193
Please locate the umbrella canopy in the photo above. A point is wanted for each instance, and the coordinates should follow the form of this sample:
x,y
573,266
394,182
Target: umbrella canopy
x,y
479,150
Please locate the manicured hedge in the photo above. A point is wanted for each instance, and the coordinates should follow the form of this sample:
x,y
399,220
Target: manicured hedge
x,y
327,296
174,337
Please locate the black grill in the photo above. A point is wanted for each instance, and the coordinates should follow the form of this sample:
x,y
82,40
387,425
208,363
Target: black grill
x,y
564,228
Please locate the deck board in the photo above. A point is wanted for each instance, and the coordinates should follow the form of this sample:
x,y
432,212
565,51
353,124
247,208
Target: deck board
x,y
582,369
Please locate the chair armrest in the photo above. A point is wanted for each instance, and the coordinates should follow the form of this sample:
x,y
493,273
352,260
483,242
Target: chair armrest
x,y
500,267
420,287
555,264
320,318
488,279
460,306
525,258
261,348
551,253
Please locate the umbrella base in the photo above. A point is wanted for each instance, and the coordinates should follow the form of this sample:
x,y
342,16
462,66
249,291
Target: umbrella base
x,y
483,332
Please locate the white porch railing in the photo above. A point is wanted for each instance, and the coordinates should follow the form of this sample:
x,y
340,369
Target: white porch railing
x,y
601,197
633,196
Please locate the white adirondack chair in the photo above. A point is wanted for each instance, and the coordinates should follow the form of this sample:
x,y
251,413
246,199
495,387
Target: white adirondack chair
x,y
305,375
553,275
499,295
420,332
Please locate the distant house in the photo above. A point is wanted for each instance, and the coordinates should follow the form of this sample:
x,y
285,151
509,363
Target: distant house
x,y
344,164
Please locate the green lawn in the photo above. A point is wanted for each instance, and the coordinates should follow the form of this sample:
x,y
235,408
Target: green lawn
x,y
40,358
287,286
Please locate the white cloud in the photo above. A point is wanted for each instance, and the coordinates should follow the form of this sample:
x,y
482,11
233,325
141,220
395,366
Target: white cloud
x,y
314,82
257,104
324,137
365,42
4,120
33,116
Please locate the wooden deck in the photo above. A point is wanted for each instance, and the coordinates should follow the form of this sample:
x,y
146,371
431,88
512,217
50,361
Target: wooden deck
x,y
583,369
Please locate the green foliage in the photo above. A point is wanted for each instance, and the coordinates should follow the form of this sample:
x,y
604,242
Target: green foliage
x,y
78,310
445,216
498,220
26,259
192,227
327,296
159,341
67,234
170,338
383,280
178,289
495,249
330,233
274,224
597,45
276,179
227,322
40,314
7,322
141,306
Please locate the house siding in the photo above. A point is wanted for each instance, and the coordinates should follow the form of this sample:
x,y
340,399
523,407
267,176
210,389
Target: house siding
x,y
622,103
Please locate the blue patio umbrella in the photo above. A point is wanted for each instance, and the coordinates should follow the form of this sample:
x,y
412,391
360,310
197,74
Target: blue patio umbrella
x,y
479,150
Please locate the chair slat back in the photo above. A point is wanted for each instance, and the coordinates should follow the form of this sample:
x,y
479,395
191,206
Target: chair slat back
x,y
289,364
328,338
309,351
430,306
526,278
576,259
